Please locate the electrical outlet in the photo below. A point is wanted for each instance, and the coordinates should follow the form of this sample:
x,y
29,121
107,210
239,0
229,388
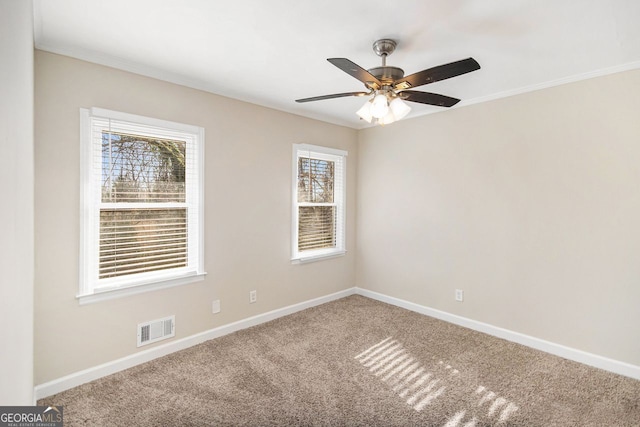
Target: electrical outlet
x,y
459,295
215,308
253,296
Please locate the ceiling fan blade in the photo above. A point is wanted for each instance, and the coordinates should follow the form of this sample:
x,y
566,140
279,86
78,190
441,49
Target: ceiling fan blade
x,y
335,95
356,71
428,98
435,74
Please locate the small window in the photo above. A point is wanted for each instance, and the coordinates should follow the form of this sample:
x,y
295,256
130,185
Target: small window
x,y
318,202
142,204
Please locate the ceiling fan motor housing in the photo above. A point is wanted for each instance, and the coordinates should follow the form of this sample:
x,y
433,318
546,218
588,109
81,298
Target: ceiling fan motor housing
x,y
387,75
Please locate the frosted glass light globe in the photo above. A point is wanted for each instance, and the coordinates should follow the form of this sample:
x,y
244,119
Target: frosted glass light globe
x,y
365,112
399,108
379,106
387,119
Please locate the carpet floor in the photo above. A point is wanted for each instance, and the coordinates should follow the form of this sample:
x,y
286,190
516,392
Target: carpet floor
x,y
355,362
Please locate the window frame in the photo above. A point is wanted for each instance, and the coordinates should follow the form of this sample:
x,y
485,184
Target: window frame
x,y
340,197
91,288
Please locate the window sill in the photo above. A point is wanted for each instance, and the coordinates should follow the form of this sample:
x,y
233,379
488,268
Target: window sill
x,y
317,257
107,294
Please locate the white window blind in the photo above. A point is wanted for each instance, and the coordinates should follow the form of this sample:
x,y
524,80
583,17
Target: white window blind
x,y
142,201
319,199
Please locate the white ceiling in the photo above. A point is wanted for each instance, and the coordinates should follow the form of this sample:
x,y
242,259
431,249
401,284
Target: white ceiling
x,y
273,52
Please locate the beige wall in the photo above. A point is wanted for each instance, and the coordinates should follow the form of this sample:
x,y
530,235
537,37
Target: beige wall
x,y
530,204
16,215
247,218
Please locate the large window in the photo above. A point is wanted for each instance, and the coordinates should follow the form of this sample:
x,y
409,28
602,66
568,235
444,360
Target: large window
x,y
142,204
318,202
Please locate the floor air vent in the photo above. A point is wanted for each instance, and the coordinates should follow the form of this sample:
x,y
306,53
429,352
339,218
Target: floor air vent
x,y
156,330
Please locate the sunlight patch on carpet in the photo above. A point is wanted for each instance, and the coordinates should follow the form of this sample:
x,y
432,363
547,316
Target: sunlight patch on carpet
x,y
391,362
419,387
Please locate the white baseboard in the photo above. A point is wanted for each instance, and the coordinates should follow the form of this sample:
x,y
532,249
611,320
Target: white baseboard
x,y
96,372
580,356
78,378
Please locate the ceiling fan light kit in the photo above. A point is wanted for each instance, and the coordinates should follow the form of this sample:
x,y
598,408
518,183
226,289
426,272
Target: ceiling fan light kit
x,y
383,109
388,88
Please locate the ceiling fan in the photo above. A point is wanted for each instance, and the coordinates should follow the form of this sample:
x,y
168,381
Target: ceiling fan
x,y
389,88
